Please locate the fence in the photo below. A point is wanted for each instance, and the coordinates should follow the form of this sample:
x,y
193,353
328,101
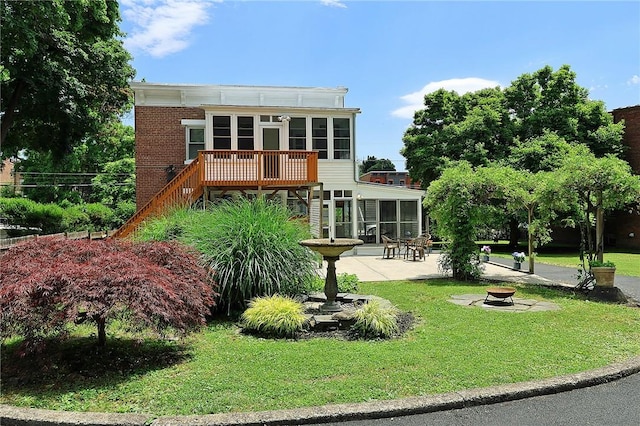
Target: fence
x,y
7,243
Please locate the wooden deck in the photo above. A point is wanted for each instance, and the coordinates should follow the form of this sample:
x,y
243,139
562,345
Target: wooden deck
x,y
229,170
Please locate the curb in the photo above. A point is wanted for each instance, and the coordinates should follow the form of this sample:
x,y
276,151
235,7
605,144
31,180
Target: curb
x,y
15,416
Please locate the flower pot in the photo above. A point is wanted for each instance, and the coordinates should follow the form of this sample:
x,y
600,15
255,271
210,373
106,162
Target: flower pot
x,y
604,275
485,257
517,265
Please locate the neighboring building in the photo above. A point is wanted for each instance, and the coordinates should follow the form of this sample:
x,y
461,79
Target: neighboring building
x,y
622,229
8,176
295,143
390,178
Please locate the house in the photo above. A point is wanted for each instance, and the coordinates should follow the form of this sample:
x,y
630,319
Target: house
x,y
295,144
390,178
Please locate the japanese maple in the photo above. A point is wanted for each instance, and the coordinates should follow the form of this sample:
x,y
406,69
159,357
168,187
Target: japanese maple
x,y
49,282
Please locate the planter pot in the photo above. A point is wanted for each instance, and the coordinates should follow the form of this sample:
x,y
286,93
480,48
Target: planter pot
x,y
485,257
604,275
517,265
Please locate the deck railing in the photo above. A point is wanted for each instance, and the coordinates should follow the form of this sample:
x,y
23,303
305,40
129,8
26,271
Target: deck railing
x,y
258,168
228,169
183,190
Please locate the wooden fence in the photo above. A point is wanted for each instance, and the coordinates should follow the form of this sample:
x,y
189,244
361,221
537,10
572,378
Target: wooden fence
x,y
7,243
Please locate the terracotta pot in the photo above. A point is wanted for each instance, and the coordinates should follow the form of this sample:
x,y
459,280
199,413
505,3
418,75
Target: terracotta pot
x,y
604,275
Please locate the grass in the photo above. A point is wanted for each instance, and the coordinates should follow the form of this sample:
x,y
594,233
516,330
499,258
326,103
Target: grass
x,y
221,370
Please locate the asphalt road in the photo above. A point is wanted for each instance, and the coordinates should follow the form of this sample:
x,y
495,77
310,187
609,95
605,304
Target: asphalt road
x,y
615,403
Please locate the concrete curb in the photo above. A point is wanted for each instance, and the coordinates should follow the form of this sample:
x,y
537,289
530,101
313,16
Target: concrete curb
x,y
14,416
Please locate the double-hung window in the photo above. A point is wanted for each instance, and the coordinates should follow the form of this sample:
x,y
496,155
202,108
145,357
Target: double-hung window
x,y
245,134
319,136
195,141
298,133
341,139
221,132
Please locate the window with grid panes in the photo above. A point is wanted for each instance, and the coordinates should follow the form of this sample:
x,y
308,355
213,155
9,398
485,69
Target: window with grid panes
x,y
221,132
298,133
245,133
319,137
341,139
195,142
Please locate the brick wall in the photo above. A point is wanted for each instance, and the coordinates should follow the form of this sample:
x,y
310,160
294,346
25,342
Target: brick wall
x,y
621,224
160,142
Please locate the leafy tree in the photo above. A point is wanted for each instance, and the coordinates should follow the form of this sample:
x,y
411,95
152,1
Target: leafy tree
x,y
594,185
116,184
452,200
47,283
532,119
474,127
64,72
48,179
372,163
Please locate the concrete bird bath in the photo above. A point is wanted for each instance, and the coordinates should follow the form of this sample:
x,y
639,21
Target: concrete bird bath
x,y
331,249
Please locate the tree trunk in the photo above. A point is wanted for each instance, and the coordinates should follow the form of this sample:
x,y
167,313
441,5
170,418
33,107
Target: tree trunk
x,y
530,241
599,229
513,233
102,330
10,110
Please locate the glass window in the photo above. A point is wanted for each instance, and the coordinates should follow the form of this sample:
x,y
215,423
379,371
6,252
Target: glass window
x,y
195,142
245,133
298,133
319,137
341,139
367,229
221,132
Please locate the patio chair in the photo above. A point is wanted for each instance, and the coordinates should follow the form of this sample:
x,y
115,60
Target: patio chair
x,y
416,248
390,247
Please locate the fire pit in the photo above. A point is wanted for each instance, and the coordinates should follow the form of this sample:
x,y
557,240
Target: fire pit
x,y
501,293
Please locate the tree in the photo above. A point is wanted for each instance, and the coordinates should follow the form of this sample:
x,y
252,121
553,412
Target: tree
x,y
64,72
48,179
116,184
595,185
523,119
452,200
49,282
372,163
474,127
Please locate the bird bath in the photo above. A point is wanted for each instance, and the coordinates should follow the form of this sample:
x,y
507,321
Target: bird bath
x,y
331,249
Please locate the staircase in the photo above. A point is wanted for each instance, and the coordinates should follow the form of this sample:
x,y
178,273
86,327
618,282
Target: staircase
x,y
183,190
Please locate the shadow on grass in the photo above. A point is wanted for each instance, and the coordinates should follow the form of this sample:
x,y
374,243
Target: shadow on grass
x,y
78,363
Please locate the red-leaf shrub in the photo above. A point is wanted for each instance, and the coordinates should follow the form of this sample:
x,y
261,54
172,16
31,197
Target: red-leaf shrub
x,y
47,283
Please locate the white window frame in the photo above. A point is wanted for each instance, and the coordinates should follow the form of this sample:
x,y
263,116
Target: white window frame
x,y
188,126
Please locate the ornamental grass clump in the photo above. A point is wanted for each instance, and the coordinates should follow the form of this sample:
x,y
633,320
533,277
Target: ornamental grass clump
x,y
375,320
276,315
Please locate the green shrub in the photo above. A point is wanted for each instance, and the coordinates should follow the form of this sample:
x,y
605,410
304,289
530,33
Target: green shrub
x,y
252,247
374,319
17,211
605,264
49,218
347,283
101,217
123,211
274,316
75,219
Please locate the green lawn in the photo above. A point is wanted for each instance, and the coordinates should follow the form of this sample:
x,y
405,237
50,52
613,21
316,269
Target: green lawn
x,y
626,263
220,370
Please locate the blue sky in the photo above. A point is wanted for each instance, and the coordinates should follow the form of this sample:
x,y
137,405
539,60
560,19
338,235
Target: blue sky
x,y
387,53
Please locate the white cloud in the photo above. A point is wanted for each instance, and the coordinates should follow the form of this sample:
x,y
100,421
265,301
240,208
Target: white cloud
x,y
162,27
415,100
333,3
634,80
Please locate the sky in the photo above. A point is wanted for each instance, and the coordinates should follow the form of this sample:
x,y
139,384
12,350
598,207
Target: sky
x,y
388,54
